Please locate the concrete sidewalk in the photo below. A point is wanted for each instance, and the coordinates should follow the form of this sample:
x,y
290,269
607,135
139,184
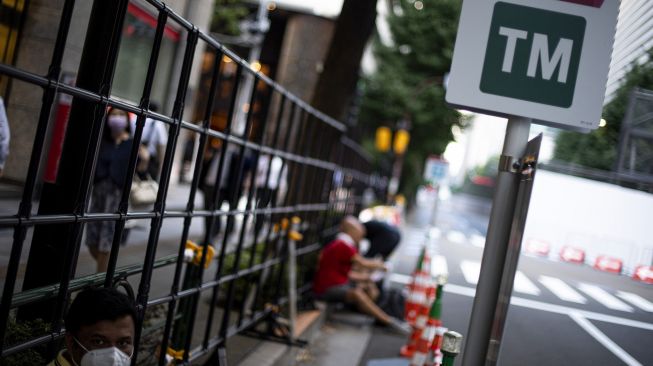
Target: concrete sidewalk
x,y
344,338
339,339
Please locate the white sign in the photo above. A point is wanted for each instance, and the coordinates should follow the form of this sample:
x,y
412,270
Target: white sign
x,y
542,59
435,170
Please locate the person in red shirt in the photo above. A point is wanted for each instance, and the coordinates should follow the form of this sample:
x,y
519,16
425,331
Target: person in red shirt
x,y
336,281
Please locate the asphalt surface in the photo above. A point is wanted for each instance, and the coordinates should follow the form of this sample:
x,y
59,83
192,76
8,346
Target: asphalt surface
x,y
560,313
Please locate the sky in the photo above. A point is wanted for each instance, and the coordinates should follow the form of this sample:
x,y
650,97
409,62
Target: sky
x,y
327,8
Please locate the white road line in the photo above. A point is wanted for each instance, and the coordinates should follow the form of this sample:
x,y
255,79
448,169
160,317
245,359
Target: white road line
x,y
435,233
562,290
477,240
603,339
604,298
439,266
557,309
524,285
471,270
457,237
400,278
636,300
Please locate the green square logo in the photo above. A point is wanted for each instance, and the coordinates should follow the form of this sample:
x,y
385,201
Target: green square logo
x,y
533,54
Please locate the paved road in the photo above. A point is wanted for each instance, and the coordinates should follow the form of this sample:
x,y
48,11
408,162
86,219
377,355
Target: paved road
x,y
560,313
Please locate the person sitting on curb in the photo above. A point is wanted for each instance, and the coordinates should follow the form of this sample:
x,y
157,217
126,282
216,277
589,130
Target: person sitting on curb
x,y
335,281
100,329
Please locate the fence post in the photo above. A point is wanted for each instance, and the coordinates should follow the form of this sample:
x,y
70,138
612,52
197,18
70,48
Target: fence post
x,y
294,235
57,257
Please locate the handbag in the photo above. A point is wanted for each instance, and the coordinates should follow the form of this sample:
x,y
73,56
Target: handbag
x,y
143,191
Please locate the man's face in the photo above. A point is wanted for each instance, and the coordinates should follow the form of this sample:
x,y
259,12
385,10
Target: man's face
x,y
118,333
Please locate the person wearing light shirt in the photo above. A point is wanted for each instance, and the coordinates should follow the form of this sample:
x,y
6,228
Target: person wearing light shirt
x,y
4,136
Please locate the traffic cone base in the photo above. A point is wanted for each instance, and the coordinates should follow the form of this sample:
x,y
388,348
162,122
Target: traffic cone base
x,y
407,351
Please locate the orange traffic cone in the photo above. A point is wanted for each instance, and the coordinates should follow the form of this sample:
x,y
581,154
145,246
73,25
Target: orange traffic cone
x,y
425,343
418,303
437,345
419,293
436,313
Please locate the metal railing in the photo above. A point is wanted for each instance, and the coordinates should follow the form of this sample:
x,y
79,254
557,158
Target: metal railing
x,y
244,286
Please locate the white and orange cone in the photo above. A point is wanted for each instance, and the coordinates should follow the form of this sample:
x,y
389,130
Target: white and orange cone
x,y
436,313
418,302
426,342
419,295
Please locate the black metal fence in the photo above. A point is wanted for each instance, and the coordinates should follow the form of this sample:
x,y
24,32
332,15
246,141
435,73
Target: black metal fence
x,y
206,300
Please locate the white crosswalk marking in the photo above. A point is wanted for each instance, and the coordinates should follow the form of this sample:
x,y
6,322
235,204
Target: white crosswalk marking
x,y
604,297
457,237
562,290
471,271
478,240
524,285
636,300
439,266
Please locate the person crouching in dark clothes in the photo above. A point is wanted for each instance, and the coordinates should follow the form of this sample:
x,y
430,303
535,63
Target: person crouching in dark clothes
x,y
383,238
335,281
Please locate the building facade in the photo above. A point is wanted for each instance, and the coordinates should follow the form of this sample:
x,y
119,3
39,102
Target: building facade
x,y
28,30
633,40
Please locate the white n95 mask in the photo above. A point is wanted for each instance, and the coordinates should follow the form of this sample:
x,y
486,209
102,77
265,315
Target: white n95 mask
x,y
111,356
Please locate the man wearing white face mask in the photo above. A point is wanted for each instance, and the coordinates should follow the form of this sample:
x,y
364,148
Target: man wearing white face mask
x,y
100,328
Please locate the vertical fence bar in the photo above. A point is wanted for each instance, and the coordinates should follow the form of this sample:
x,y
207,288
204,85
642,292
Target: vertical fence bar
x,y
248,301
81,141
223,248
25,208
255,216
272,248
241,165
206,124
159,205
131,167
83,195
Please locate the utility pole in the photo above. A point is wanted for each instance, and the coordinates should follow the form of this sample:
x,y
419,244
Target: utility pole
x,y
255,31
55,247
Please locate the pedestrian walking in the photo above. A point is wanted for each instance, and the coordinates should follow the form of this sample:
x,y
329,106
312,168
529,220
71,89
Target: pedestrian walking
x,y
110,174
4,136
269,185
154,139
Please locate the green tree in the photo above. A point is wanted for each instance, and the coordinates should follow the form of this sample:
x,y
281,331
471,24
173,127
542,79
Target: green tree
x,y
598,149
226,16
408,81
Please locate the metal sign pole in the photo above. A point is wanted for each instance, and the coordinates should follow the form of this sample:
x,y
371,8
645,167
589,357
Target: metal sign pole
x,y
526,176
496,243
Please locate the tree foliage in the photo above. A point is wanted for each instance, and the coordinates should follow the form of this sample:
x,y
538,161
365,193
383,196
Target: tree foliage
x,y
226,16
408,81
598,149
